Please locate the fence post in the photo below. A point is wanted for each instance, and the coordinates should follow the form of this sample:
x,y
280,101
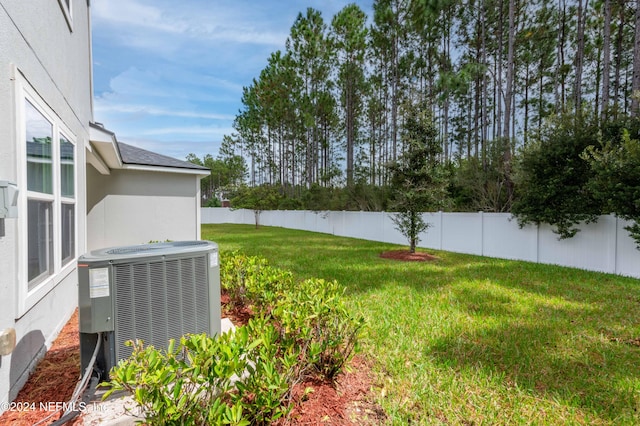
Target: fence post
x,y
441,228
615,245
481,233
537,243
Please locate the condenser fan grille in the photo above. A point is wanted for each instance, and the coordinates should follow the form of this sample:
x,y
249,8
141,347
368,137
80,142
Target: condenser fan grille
x,y
160,300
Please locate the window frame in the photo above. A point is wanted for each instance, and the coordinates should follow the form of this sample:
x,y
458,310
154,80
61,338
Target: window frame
x,y
69,200
30,293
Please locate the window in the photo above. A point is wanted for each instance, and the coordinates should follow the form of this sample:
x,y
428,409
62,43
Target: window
x,y
39,135
49,158
67,200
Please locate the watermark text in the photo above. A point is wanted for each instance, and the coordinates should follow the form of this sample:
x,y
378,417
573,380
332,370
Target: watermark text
x,y
49,406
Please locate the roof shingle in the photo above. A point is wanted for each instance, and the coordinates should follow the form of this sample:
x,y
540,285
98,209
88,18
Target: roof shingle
x,y
133,155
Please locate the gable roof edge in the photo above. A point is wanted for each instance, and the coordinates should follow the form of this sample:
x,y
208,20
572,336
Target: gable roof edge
x,y
108,153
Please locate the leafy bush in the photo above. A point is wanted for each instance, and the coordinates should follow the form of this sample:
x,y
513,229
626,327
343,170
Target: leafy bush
x,y
250,280
192,383
481,184
245,377
310,315
272,372
616,180
551,177
314,316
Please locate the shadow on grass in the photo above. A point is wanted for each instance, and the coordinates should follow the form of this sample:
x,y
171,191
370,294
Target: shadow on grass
x,y
354,263
548,348
557,333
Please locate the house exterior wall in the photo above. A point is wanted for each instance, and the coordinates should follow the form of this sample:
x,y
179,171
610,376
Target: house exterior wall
x,y
40,51
135,207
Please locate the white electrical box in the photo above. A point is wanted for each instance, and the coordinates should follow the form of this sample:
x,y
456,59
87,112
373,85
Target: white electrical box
x,y
8,199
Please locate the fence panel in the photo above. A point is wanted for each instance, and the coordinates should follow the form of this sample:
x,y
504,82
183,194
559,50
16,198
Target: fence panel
x,y
592,248
604,246
627,255
503,238
390,233
462,232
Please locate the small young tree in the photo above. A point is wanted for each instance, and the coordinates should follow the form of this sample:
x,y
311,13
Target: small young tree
x,y
417,183
257,198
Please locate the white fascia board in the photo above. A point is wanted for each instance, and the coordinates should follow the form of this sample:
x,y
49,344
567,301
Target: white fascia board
x,y
166,169
105,145
97,163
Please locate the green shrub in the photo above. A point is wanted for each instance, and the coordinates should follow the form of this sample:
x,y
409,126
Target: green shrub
x,y
310,314
314,315
272,372
233,378
245,377
250,280
191,383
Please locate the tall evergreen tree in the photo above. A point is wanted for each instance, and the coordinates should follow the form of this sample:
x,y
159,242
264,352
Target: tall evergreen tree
x,y
350,40
635,98
311,55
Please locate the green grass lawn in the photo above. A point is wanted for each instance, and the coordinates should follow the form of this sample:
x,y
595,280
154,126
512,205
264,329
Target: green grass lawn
x,y
474,340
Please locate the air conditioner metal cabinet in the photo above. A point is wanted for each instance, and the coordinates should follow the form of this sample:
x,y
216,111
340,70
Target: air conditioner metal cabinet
x,y
152,292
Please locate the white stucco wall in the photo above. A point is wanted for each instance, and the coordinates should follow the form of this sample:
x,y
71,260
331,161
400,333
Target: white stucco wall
x,y
135,207
38,47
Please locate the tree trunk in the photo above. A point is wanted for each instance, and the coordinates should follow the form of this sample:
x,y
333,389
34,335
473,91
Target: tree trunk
x,y
445,133
559,81
508,97
414,233
577,90
349,105
618,63
509,100
606,61
485,83
500,96
635,101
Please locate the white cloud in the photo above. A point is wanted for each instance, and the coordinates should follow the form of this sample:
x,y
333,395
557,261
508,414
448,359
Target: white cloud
x,y
211,131
148,25
168,74
152,110
167,82
131,13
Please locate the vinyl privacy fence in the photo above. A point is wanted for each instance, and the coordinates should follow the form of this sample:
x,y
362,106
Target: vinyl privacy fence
x,y
604,246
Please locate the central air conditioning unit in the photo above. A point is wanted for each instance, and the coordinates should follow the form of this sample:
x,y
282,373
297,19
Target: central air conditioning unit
x,y
152,292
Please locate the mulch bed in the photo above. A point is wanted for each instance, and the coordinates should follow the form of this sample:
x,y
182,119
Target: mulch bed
x,y
347,401
407,256
53,381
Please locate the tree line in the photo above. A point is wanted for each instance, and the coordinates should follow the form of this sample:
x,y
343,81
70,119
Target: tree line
x,y
501,79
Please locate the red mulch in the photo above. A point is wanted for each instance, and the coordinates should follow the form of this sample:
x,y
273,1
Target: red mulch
x,y
348,401
406,255
53,381
238,314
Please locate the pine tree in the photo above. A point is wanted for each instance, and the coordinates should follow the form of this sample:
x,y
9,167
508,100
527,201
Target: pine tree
x,y
350,41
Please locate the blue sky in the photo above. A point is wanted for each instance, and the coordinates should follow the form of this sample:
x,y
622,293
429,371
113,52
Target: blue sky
x,y
168,75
